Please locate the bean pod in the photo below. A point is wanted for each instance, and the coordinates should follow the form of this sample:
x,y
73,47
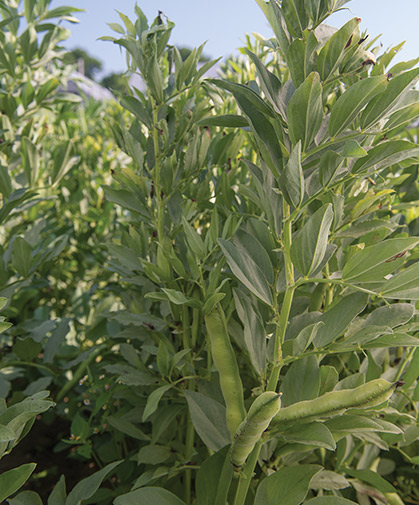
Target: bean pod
x,y
226,364
368,395
260,414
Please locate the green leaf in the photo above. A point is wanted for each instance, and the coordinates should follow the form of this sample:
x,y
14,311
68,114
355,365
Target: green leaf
x,y
291,484
12,480
292,178
258,114
30,160
333,51
352,101
46,89
310,434
126,427
404,285
337,318
353,150
302,381
305,111
153,454
358,424
86,488
309,246
246,270
328,480
372,478
126,199
62,161
195,241
163,359
386,154
329,500
295,15
148,496
254,331
212,474
209,420
6,434
153,401
376,261
138,109
269,83
386,101
226,120
249,245
25,498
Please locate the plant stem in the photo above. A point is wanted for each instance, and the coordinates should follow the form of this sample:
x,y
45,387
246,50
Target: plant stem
x,y
157,167
189,447
27,363
246,475
282,318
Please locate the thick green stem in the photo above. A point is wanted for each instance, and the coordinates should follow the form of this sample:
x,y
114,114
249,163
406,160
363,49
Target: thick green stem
x,y
282,318
186,328
157,167
189,447
246,475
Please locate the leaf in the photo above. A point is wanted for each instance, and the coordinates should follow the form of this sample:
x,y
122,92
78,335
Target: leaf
x,y
372,478
404,285
30,160
310,434
337,318
214,471
209,420
153,401
12,480
395,340
258,114
153,454
6,434
295,15
291,484
254,331
297,345
305,111
302,381
25,498
353,150
328,480
309,246
138,109
269,83
249,245
333,51
353,424
384,103
126,199
376,261
246,270
329,500
22,256
126,427
148,496
292,178
195,241
226,120
86,488
352,101
386,154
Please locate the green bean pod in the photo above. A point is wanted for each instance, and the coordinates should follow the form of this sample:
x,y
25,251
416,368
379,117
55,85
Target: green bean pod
x,y
368,395
226,364
250,430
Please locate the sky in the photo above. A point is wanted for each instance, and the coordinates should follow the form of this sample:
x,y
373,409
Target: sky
x,y
222,24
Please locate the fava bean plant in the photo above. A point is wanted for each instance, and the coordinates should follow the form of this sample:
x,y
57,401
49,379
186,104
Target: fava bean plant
x,y
223,298
266,326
